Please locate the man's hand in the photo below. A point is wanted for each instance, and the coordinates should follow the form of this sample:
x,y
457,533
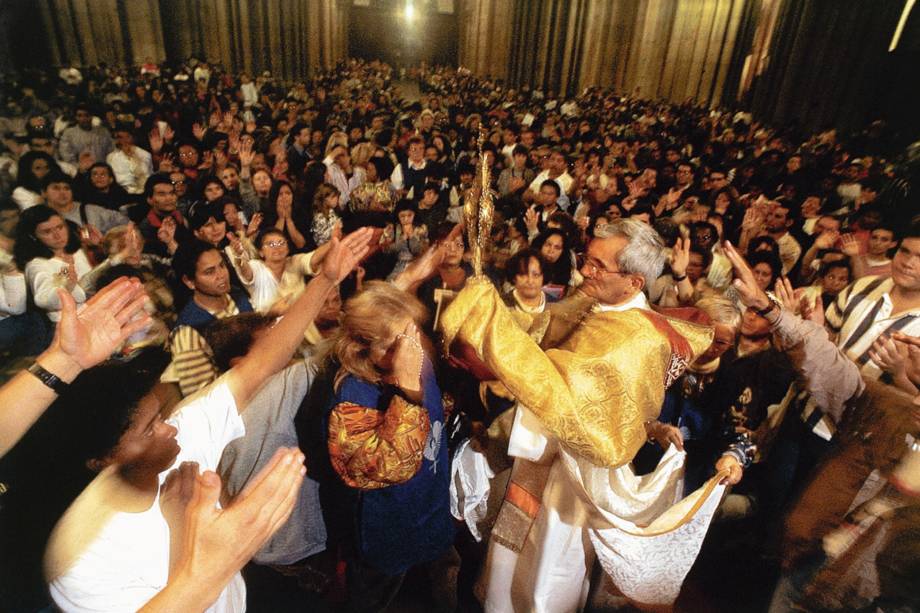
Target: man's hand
x,y
680,257
345,254
215,543
106,320
750,293
664,435
850,246
730,465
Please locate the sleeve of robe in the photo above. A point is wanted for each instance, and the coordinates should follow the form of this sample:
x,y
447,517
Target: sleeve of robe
x,y
371,448
597,388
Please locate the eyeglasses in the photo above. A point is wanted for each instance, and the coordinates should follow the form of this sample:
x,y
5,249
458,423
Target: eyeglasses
x,y
593,266
178,182
276,243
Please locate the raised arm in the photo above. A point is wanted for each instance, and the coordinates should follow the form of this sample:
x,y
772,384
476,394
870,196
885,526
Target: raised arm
x,y
274,349
81,340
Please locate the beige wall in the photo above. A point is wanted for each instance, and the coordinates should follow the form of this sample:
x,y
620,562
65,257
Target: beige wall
x,y
674,49
292,38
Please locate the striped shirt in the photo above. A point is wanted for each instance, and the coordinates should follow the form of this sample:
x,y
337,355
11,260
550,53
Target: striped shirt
x,y
862,313
191,363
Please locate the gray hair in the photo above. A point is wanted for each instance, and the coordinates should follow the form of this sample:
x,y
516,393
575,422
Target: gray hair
x,y
643,255
721,310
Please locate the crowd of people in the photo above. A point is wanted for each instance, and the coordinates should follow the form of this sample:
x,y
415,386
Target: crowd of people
x,y
210,279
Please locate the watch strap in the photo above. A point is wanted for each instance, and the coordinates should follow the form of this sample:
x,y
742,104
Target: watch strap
x,y
50,379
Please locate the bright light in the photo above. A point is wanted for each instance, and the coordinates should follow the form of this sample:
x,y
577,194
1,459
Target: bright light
x,y
908,5
410,11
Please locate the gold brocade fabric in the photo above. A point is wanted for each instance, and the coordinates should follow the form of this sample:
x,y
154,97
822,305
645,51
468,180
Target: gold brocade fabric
x,y
598,377
371,449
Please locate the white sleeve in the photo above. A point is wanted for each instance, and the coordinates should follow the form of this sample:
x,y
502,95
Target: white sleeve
x,y
303,263
42,277
396,179
122,170
14,295
207,421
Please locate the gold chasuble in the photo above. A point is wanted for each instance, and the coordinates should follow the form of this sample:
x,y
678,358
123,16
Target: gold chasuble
x,y
592,377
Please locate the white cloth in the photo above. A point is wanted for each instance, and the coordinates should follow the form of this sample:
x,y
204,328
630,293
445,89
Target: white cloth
x,y
13,295
587,510
43,275
131,171
26,198
470,485
127,563
265,290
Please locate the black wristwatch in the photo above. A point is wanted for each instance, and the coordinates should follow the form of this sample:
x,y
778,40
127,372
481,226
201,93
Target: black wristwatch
x,y
774,304
49,379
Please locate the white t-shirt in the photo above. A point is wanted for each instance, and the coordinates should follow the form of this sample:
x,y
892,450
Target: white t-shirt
x,y
265,290
127,562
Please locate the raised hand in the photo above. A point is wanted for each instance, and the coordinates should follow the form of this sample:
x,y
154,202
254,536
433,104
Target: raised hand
x,y
236,245
531,219
85,160
167,231
156,140
750,293
345,254
253,228
105,321
680,257
408,360
827,239
211,543
850,246
247,155
198,131
167,163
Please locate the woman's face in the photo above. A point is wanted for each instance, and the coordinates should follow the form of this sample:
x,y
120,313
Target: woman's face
x,y
188,156
529,285
332,201
213,191
285,196
230,178
53,233
262,182
763,274
40,168
695,267
101,178
406,218
722,202
552,248
274,248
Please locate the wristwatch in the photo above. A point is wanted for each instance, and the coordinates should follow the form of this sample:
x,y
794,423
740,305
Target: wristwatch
x,y
48,378
774,304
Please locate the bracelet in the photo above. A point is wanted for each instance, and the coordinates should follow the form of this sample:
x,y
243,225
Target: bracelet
x,y
49,379
421,352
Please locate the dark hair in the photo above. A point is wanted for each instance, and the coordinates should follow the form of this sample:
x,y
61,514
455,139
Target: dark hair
x,y
105,398
204,211
209,180
826,267
756,244
103,165
703,253
296,129
265,232
158,178
554,185
405,204
24,176
519,263
185,260
520,150
277,184
560,271
28,246
115,272
232,337
771,260
55,176
913,231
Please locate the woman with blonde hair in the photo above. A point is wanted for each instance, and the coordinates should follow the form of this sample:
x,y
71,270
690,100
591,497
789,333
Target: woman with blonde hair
x,y
387,444
336,139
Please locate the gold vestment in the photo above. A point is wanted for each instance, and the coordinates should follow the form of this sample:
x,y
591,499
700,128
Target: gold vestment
x,y
592,379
